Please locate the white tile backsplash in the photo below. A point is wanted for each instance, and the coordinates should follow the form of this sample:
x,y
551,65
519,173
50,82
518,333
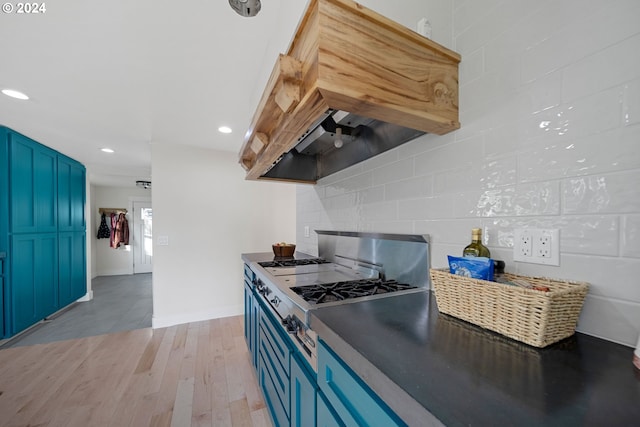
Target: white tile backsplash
x,y
590,235
421,186
595,73
630,237
393,171
631,103
550,138
614,193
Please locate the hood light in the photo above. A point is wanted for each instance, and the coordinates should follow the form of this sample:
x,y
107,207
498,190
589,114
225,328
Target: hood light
x,y
15,94
338,143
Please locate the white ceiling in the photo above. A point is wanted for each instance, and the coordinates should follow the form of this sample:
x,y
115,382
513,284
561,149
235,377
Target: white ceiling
x,y
127,74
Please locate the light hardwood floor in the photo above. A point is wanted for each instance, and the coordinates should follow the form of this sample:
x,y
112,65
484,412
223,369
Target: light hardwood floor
x,y
197,374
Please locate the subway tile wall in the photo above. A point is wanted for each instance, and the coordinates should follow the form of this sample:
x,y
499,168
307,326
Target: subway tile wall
x,y
550,138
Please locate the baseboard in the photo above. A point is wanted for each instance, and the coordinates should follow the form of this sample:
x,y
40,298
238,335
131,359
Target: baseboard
x,y
178,319
122,272
87,297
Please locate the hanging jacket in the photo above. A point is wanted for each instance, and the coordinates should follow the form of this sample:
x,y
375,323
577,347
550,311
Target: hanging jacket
x,y
122,231
114,223
103,230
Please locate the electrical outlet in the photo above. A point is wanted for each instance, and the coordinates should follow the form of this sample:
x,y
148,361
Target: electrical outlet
x,y
546,246
306,231
543,245
522,244
537,246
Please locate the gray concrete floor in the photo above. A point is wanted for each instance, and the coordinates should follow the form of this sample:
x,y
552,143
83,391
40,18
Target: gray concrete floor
x,y
119,303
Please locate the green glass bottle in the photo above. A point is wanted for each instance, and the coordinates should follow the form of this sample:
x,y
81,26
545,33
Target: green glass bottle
x,y
476,248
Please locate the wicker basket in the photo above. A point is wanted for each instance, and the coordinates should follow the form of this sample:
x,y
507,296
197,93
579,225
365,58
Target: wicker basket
x,y
533,317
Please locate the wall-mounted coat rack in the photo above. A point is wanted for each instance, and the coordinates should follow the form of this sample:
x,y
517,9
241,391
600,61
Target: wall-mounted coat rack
x,y
112,210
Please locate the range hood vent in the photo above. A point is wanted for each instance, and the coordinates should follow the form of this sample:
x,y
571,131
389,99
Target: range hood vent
x,y
318,154
352,85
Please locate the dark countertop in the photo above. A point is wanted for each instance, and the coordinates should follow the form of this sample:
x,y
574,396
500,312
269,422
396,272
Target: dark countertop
x,y
421,362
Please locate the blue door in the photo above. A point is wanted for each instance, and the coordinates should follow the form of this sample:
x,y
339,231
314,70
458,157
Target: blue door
x,y
71,191
34,278
71,267
33,186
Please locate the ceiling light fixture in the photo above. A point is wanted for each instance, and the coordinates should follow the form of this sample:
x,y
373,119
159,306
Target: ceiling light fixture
x,y
224,129
15,94
107,150
143,184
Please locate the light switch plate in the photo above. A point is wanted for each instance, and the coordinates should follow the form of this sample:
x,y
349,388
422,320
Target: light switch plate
x,y
537,245
163,240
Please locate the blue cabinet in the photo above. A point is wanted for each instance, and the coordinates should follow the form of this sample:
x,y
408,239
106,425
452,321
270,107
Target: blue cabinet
x,y
72,277
33,180
2,331
271,387
353,401
42,230
293,393
274,368
303,393
251,316
4,228
34,284
326,416
71,195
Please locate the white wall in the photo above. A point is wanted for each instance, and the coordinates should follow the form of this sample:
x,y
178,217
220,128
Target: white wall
x,y
107,261
550,137
210,215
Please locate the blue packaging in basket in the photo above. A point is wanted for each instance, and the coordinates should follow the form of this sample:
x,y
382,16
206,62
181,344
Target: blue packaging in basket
x,y
474,267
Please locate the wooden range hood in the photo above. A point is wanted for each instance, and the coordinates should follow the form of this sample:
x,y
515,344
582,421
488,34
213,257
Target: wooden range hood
x,y
347,58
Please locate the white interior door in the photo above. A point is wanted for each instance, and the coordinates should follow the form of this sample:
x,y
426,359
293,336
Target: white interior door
x,y
142,237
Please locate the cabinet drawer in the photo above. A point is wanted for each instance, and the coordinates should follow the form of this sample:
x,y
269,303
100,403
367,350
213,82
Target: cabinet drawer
x,y
275,363
248,274
275,340
352,400
272,393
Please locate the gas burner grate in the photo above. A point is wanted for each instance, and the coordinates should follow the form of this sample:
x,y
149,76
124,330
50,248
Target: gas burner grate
x,y
293,262
330,292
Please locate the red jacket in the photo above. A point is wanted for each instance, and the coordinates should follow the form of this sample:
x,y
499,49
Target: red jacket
x,y
121,234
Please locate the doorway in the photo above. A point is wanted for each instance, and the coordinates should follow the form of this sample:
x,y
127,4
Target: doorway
x,y
142,237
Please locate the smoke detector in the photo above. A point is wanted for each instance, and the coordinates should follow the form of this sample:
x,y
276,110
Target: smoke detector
x,y
245,7
143,184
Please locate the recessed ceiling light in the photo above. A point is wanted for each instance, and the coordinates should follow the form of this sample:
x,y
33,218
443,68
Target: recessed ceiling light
x,y
14,94
107,150
225,129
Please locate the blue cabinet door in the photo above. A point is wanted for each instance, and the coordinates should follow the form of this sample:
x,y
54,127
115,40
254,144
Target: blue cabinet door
x,y
271,390
303,394
255,327
71,195
2,331
33,186
248,302
34,278
72,282
353,401
326,416
250,323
